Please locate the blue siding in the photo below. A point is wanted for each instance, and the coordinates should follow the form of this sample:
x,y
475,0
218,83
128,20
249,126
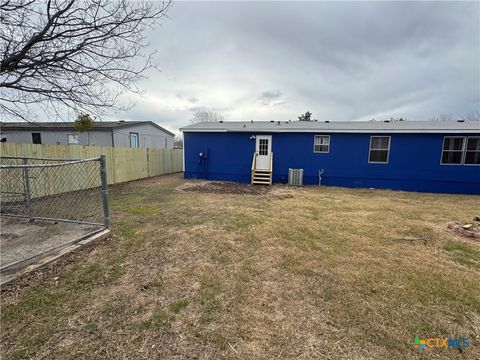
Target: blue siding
x,y
414,162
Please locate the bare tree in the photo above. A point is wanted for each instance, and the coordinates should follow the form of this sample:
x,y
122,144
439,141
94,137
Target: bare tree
x,y
207,116
178,142
475,116
78,55
443,117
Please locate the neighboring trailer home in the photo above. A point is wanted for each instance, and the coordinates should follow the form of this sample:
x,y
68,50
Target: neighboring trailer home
x,y
136,134
404,155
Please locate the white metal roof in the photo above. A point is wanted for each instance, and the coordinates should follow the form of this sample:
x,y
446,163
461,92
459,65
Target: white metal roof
x,y
338,126
70,125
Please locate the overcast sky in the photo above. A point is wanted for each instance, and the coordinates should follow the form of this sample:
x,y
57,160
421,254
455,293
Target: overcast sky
x,y
341,61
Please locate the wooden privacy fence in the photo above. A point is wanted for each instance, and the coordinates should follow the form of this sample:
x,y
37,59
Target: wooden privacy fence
x,y
123,164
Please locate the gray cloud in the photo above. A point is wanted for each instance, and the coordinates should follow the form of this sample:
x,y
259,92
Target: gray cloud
x,y
191,99
342,61
272,98
271,94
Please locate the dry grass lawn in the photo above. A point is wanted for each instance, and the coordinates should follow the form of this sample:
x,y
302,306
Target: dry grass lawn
x,y
292,273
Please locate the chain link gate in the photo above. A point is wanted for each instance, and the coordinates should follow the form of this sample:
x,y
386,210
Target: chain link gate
x,y
46,191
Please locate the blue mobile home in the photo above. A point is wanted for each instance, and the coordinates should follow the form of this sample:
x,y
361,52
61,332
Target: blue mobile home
x,y
404,155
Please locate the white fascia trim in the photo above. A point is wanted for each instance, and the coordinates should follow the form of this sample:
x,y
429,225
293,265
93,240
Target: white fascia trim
x,y
372,131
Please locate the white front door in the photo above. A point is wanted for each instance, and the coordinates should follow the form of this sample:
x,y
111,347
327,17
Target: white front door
x,y
263,151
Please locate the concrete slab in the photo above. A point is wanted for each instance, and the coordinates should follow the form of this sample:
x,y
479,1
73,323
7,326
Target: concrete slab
x,y
38,262
21,239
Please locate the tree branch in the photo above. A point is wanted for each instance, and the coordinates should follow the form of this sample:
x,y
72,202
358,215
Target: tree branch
x,y
66,54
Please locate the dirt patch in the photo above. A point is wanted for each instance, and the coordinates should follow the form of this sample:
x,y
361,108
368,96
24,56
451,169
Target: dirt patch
x,y
470,230
223,187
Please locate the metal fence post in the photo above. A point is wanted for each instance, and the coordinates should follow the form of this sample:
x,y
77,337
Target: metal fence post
x,y
28,195
103,178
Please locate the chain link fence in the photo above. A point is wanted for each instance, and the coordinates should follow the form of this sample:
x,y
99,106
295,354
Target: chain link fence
x,y
54,191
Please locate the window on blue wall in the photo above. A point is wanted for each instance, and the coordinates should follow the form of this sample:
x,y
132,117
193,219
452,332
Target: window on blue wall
x,y
472,152
321,144
379,149
452,151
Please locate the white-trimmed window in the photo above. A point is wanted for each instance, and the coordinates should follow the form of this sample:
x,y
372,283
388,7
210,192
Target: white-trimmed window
x,y
379,149
73,139
321,144
452,150
472,151
133,140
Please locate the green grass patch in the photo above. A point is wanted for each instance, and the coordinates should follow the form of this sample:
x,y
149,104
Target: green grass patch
x,y
127,230
223,259
462,253
82,278
32,342
114,273
178,306
18,354
210,306
160,319
37,303
90,276
209,292
142,210
303,238
242,222
252,239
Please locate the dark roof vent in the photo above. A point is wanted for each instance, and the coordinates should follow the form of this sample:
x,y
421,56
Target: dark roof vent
x,y
386,120
244,125
460,120
272,121
327,121
221,121
278,123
